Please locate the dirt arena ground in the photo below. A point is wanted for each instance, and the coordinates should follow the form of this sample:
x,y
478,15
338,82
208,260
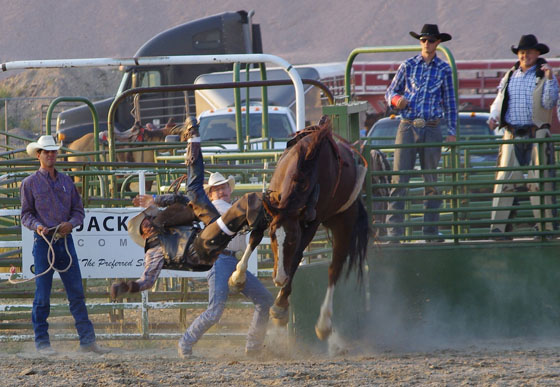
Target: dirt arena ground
x,y
222,362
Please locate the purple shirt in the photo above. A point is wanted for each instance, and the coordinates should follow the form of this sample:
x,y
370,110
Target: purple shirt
x,y
153,263
49,202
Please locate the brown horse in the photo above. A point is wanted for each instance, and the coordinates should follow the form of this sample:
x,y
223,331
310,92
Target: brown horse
x,y
133,135
316,181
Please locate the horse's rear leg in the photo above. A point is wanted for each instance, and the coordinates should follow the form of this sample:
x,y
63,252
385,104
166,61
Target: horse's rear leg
x,y
237,279
323,327
341,244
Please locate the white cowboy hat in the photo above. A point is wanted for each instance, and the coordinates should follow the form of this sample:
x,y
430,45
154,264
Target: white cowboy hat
x,y
133,225
45,143
217,178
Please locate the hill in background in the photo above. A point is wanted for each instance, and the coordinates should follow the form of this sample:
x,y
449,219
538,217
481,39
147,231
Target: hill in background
x,y
300,31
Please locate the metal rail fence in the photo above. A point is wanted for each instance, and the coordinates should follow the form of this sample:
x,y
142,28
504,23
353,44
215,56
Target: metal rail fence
x,y
170,294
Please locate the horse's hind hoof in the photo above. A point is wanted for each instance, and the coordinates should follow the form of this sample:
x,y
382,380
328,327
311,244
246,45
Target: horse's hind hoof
x,y
279,315
235,288
323,334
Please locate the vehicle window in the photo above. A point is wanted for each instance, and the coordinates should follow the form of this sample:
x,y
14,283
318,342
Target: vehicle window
x,y
474,126
222,127
148,79
207,39
278,126
217,128
386,128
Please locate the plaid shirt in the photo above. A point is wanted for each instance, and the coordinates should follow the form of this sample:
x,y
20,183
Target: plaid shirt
x,y
49,202
428,87
520,90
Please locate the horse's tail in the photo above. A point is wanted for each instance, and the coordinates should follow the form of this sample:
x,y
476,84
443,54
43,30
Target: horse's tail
x,y
358,245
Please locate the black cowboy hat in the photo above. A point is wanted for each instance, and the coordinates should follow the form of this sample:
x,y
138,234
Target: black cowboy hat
x,y
431,30
528,42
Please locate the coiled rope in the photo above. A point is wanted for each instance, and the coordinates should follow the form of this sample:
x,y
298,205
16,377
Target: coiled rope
x,y
50,257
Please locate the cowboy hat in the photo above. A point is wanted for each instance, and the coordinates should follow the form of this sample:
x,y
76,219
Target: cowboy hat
x,y
528,42
217,178
44,143
133,224
431,30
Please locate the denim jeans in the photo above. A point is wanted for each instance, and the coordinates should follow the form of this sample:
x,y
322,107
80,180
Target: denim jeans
x,y
72,280
218,292
202,206
405,158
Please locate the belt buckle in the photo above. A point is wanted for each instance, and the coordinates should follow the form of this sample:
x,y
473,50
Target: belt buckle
x,y
419,123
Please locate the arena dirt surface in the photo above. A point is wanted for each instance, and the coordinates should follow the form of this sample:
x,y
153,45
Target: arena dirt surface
x,y
223,363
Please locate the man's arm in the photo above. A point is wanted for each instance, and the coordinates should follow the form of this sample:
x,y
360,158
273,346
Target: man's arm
x,y
449,104
77,213
394,95
153,263
28,218
550,92
496,107
248,212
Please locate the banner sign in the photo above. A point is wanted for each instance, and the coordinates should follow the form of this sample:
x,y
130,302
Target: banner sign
x,y
105,249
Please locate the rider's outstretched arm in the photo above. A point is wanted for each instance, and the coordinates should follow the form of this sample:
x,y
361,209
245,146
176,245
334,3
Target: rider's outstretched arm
x,y
201,204
246,212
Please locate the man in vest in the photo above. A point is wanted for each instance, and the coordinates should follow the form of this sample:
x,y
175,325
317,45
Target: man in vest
x,y
527,95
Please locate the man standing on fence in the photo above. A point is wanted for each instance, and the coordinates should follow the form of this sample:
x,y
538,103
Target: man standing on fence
x,y
526,98
423,92
52,207
144,230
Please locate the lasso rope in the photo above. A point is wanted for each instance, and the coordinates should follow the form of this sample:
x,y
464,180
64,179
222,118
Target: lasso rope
x,y
50,257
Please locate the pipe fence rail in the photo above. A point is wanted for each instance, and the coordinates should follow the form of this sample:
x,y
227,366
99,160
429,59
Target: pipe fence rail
x,y
466,182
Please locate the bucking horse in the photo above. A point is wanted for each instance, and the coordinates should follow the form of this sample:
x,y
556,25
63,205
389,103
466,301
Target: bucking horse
x,y
316,181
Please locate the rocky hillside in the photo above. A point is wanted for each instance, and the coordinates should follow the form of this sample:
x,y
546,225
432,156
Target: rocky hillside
x,y
31,92
301,31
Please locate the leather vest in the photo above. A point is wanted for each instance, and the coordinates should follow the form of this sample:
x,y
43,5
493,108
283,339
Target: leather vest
x,y
541,117
178,248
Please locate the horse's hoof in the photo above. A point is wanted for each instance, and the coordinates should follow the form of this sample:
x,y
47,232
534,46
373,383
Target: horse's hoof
x,y
279,315
280,322
323,334
234,287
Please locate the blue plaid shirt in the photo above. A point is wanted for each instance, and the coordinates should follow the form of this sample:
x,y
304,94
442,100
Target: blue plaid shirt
x,y
520,90
428,87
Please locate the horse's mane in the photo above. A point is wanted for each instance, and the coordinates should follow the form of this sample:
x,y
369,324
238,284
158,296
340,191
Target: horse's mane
x,y
305,177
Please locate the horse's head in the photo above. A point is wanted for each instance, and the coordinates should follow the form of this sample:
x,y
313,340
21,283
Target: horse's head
x,y
285,236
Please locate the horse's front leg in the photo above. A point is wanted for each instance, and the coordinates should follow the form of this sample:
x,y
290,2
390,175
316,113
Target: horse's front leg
x,y
279,310
236,281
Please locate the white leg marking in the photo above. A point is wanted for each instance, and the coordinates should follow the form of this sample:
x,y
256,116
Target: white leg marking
x,y
324,323
281,276
238,276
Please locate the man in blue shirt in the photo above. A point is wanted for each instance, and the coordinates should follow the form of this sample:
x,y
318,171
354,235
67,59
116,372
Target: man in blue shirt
x,y
423,92
527,96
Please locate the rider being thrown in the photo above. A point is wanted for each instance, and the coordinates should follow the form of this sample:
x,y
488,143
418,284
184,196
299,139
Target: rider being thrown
x,y
171,237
